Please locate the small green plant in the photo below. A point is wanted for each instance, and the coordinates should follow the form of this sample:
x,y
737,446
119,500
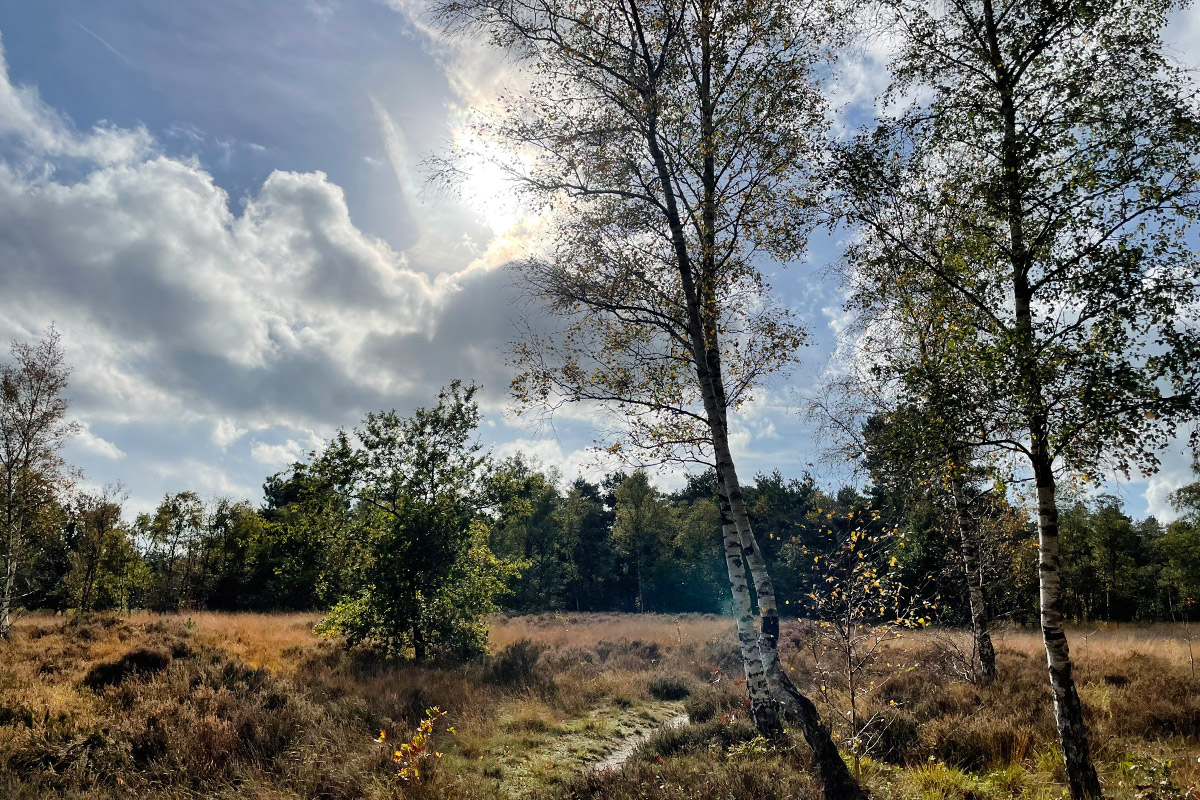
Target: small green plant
x,y
412,756
758,746
189,625
859,606
1152,780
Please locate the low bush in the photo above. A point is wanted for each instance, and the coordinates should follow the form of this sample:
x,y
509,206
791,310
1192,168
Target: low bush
x,y
516,665
669,687
977,743
629,653
713,700
140,661
685,739
893,736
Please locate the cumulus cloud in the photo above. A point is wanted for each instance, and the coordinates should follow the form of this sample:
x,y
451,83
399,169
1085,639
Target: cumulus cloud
x,y
277,454
1174,473
27,120
200,315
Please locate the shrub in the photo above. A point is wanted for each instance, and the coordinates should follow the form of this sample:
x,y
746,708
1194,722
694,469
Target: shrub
x,y
516,665
1156,702
141,661
669,687
685,739
977,743
713,700
893,735
634,651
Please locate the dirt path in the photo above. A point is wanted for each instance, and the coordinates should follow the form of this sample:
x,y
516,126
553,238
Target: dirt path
x,y
621,755
604,739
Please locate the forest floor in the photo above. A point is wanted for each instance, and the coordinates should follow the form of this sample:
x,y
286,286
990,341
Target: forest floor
x,y
255,706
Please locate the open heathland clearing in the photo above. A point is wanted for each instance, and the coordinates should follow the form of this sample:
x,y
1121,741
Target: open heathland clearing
x,y
256,706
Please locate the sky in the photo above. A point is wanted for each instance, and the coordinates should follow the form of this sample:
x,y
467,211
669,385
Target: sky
x,y
220,206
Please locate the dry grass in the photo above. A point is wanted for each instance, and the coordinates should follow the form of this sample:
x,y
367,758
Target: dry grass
x,y
255,706
588,630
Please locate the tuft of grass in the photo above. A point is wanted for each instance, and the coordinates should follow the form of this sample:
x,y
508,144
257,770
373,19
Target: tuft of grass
x,y
516,666
713,701
690,739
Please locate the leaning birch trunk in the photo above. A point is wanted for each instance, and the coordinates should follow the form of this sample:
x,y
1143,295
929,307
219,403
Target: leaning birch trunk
x,y
975,586
797,709
839,784
763,708
1068,711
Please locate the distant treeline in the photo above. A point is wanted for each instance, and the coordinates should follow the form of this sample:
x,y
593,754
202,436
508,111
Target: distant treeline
x,y
616,545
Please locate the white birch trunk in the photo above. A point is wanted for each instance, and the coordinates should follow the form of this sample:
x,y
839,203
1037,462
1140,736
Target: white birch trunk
x,y
975,585
763,708
1068,711
8,590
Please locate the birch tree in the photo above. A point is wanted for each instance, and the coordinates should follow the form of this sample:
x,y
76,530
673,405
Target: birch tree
x,y
1062,142
33,429
675,141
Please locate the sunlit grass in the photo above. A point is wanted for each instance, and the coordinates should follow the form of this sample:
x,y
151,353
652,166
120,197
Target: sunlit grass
x,y
257,706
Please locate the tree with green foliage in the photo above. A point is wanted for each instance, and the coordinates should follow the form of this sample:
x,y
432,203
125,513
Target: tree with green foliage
x,y
172,535
415,489
905,405
1061,143
644,532
97,531
33,429
1101,555
1179,551
587,524
308,555
528,529
675,141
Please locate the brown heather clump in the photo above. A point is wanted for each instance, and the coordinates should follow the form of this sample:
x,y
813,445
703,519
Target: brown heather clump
x,y
258,708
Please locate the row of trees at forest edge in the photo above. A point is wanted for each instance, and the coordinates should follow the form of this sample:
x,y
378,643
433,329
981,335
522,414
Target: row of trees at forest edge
x,y
1022,269
535,543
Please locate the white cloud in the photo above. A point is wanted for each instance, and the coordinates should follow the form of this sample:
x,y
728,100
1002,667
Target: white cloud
x,y
277,454
1174,473
193,318
587,463
98,446
205,479
476,72
226,432
1183,35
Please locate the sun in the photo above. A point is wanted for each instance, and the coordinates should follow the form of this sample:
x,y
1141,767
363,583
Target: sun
x,y
488,186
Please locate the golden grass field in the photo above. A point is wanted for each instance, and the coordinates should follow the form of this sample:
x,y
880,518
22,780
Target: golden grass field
x,y
255,706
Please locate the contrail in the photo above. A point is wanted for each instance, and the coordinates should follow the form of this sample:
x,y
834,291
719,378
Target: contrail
x,y
97,37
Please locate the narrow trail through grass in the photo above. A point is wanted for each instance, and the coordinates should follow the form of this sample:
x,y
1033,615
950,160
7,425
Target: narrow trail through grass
x,y
523,760
620,756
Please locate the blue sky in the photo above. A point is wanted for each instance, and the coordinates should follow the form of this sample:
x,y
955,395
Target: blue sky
x,y
219,206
